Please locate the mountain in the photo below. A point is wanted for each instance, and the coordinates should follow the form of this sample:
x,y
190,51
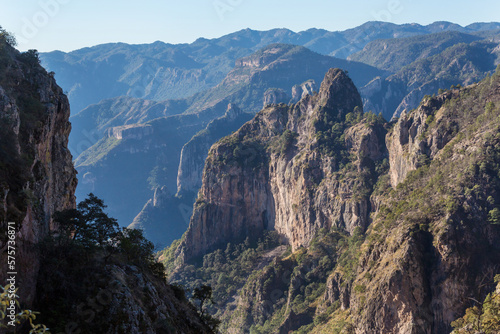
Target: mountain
x,y
288,68
278,66
315,217
131,161
161,71
274,74
37,177
268,75
393,54
165,216
290,153
427,59
460,64
46,265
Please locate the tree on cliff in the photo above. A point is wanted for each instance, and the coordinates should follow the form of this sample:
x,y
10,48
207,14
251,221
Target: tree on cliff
x,y
7,37
203,295
89,226
483,318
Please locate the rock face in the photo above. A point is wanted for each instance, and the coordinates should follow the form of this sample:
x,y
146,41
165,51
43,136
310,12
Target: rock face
x,y
276,173
275,96
36,172
300,91
130,131
436,250
409,145
195,151
407,255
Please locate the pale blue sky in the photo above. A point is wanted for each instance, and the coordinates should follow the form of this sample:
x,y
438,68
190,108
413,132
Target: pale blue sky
x,y
66,25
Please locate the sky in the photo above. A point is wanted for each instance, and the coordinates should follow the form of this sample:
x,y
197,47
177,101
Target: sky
x,y
66,25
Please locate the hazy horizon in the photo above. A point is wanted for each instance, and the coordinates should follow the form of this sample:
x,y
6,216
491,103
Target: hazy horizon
x,y
67,25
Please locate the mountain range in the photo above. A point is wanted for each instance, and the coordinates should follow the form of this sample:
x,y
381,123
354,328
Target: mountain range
x,y
316,217
162,71
312,182
45,268
428,59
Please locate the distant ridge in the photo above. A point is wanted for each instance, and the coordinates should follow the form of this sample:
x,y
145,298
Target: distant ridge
x,y
160,71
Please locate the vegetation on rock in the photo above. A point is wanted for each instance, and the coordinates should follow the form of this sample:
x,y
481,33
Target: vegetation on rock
x,y
87,276
445,199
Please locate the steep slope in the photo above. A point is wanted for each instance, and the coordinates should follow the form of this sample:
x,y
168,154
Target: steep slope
x,y
37,180
165,217
161,71
282,172
393,54
461,64
427,251
278,66
440,230
37,176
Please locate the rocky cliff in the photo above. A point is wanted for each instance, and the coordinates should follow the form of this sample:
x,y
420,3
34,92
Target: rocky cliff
x,y
398,245
432,242
300,91
279,65
165,217
37,177
79,290
195,151
275,96
279,172
410,145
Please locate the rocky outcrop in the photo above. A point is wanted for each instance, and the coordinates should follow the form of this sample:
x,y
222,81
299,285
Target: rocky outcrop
x,y
157,308
410,145
261,297
131,131
337,289
300,91
195,151
418,273
36,172
275,96
277,173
